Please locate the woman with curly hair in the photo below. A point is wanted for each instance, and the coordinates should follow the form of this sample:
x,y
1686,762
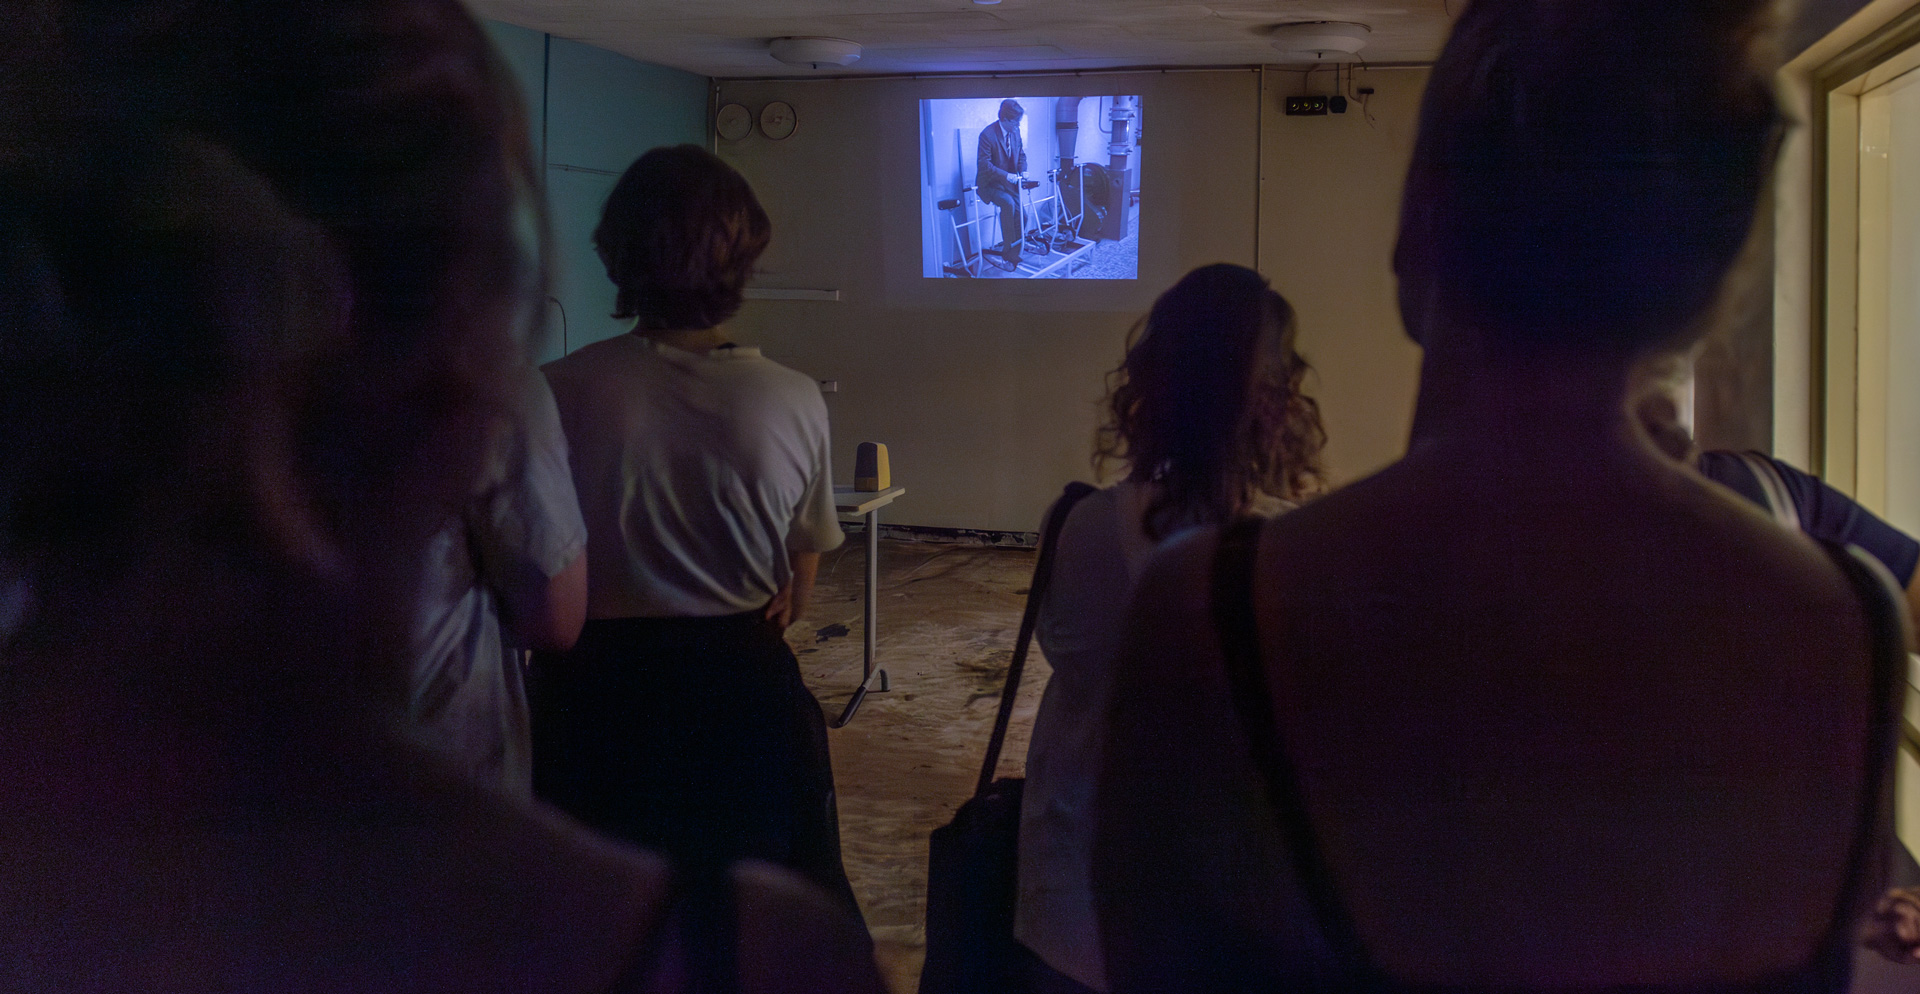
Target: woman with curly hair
x,y
1207,415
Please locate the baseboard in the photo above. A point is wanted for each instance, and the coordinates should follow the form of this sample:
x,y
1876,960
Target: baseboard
x,y
949,536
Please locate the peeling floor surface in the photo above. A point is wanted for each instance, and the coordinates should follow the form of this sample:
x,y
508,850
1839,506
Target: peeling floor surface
x,y
948,617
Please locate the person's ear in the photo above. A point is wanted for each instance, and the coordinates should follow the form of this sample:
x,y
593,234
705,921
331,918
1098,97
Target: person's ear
x,y
286,492
281,320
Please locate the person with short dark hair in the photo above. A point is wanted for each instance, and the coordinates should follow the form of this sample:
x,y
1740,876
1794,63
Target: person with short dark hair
x,y
679,237
1000,160
679,720
263,275
1533,708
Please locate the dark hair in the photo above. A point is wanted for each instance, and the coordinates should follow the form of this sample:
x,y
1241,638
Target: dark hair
x,y
1588,172
1208,402
679,236
257,239
1010,109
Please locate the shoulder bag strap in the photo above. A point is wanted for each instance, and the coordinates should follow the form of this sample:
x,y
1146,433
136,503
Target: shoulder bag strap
x,y
1779,498
1886,627
1036,595
1237,627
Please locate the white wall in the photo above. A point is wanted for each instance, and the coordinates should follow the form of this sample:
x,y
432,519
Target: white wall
x,y
1329,217
984,390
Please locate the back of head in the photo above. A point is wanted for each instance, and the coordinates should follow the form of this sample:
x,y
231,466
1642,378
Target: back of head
x,y
1587,172
680,235
1208,403
260,268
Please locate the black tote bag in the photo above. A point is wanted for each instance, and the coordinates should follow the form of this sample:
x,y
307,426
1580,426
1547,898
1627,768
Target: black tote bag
x,y
973,859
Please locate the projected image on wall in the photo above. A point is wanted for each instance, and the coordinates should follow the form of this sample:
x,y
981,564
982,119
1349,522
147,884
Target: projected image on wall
x,y
1030,188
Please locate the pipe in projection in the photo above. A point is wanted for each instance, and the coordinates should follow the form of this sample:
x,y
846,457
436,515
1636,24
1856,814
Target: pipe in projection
x,y
1119,147
1066,128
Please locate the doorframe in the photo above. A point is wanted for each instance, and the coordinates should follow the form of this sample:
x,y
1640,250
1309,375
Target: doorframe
x,y
1838,390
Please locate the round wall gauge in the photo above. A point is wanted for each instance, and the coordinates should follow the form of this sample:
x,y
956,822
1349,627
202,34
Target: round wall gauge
x,y
777,120
733,123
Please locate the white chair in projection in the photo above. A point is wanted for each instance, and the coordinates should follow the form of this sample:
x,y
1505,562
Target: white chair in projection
x,y
981,218
1046,228
1049,244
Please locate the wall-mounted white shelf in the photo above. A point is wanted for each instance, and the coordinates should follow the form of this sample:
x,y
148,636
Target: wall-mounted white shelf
x,y
783,293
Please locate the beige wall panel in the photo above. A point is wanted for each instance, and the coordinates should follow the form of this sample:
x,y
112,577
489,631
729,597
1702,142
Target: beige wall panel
x,y
1330,207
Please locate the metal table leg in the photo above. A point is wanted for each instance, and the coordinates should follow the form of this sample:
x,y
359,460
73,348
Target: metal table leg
x,y
872,679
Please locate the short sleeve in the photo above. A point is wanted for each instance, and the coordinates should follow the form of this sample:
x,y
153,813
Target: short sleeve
x,y
816,525
1826,513
526,528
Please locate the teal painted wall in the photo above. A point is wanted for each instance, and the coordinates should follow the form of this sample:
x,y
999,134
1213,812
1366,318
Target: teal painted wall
x,y
593,112
526,54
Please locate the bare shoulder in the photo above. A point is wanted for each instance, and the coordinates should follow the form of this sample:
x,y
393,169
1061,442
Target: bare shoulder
x,y
795,939
1717,534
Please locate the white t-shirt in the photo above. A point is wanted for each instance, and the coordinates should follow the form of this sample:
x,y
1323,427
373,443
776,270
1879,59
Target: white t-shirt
x,y
697,473
520,531
1103,549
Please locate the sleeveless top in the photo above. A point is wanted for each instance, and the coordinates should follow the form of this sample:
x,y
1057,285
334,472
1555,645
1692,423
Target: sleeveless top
x,y
1828,971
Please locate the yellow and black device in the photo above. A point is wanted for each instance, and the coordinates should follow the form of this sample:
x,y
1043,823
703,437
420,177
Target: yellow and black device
x,y
870,471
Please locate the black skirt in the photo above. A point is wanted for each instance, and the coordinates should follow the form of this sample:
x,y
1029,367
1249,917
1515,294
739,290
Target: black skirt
x,y
692,736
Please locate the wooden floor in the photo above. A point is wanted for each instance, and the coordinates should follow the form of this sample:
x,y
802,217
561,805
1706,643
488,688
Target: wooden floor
x,y
948,616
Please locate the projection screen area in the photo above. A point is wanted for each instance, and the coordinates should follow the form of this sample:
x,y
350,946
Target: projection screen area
x,y
1031,187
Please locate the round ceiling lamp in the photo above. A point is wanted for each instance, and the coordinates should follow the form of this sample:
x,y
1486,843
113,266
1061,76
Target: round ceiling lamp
x,y
1320,41
815,53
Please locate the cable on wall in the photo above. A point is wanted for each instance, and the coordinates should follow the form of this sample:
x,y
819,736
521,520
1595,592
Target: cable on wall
x,y
1364,97
1259,156
546,86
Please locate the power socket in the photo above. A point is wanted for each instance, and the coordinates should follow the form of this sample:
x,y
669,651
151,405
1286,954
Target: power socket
x,y
1306,106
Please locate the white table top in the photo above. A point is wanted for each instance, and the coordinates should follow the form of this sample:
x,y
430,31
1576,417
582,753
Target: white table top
x,y
847,500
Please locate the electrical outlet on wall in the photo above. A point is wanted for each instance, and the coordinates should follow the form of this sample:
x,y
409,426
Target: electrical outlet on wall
x,y
1306,106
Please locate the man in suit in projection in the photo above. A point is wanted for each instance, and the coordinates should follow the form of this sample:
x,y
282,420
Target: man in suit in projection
x,y
998,165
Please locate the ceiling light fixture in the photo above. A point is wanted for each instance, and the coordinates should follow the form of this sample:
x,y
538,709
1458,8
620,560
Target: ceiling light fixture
x,y
815,53
1320,41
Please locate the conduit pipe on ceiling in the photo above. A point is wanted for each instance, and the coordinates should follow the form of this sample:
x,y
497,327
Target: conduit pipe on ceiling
x,y
1032,74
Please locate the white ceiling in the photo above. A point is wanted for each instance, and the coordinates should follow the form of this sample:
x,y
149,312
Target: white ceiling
x,y
728,38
